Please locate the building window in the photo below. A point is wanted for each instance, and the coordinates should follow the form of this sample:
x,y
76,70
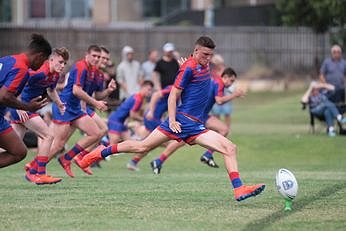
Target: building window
x,y
60,9
5,11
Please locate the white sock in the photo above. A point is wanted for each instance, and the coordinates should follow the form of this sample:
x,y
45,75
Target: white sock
x,y
339,117
331,129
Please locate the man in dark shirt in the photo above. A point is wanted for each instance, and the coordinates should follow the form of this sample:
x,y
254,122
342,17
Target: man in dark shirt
x,y
166,68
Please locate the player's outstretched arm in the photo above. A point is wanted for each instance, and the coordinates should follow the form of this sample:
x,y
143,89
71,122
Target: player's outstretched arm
x,y
81,94
227,98
9,99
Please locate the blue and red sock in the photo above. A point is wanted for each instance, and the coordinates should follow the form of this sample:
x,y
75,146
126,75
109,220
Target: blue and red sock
x,y
136,159
41,164
235,179
163,157
73,152
208,154
109,150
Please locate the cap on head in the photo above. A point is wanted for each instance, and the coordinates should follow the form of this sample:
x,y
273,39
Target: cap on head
x,y
127,49
168,47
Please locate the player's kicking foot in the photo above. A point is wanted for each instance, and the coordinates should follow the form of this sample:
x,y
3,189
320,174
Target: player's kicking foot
x,y
41,179
155,167
92,157
209,161
132,166
66,165
243,192
77,161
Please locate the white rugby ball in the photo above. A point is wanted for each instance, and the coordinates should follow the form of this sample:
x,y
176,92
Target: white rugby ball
x,y
286,183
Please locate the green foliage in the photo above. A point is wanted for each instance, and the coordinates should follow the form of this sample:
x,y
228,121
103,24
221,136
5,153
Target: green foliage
x,y
319,15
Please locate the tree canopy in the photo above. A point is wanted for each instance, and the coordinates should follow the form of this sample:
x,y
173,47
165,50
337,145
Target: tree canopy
x,y
320,15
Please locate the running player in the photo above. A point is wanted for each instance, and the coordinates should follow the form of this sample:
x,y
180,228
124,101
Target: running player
x,y
130,108
40,81
13,77
152,119
100,93
185,121
211,122
80,86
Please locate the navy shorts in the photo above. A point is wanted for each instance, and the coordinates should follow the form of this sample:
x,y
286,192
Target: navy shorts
x,y
191,129
69,115
116,127
150,125
15,117
5,126
90,111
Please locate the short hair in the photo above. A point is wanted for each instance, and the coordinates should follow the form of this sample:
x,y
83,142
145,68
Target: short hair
x,y
336,47
94,48
147,83
229,71
63,52
39,44
205,41
104,49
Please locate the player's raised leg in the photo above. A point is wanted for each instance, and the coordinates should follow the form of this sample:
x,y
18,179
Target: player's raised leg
x,y
155,139
219,143
87,125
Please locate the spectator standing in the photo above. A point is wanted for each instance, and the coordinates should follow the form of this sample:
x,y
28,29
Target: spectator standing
x,y
333,71
166,68
128,73
148,66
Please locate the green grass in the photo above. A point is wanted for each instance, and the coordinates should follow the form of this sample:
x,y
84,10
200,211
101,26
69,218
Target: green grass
x,y
271,132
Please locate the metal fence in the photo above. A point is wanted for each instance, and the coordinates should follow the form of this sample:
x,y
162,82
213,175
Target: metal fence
x,y
286,49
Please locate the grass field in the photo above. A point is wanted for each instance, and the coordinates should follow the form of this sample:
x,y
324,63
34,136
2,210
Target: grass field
x,y
271,132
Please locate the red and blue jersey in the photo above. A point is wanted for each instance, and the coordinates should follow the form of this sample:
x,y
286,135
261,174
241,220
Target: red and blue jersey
x,y
194,80
85,76
216,89
13,74
133,103
162,104
38,82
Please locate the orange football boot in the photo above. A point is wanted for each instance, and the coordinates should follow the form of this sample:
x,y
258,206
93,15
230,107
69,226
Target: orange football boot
x,y
92,157
243,192
66,165
41,179
77,161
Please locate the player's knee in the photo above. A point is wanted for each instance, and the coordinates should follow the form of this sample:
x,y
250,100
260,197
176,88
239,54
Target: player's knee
x,y
20,154
224,131
143,148
231,149
103,132
49,137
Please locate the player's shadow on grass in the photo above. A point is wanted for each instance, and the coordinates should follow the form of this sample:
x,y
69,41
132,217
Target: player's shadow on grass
x,y
261,224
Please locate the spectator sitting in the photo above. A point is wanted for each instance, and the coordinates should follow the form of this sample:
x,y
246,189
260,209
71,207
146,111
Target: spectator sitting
x,y
320,106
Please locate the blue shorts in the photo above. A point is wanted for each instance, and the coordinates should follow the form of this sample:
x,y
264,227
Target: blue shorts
x,y
191,129
5,126
116,127
69,115
15,117
90,111
150,125
223,109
